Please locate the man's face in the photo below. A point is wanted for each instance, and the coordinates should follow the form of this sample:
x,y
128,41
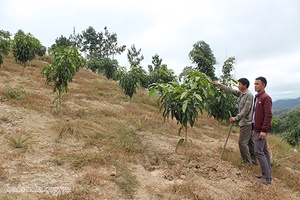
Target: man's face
x,y
259,86
242,87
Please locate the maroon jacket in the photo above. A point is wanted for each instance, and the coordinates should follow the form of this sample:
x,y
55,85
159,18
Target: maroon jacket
x,y
263,112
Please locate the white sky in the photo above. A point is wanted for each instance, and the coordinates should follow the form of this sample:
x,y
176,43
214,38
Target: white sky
x,y
263,35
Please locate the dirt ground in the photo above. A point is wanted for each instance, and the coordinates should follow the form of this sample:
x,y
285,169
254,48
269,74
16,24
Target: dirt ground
x,y
34,174
31,173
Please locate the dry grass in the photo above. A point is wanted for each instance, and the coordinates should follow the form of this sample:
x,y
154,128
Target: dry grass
x,y
76,193
77,129
126,181
94,178
19,139
189,190
79,160
285,162
3,173
100,129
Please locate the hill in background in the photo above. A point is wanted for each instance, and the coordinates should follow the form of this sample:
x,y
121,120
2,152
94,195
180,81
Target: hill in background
x,y
283,107
106,147
286,103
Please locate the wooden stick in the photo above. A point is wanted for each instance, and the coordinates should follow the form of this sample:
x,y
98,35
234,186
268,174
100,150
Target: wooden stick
x,y
226,140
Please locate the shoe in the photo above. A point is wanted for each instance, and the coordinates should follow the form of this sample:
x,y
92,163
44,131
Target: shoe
x,y
267,181
258,176
244,164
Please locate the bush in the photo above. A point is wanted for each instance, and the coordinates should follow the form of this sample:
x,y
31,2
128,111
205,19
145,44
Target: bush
x,y
17,92
292,136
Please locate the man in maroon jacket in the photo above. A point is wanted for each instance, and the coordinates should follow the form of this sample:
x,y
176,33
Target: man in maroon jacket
x,y
262,117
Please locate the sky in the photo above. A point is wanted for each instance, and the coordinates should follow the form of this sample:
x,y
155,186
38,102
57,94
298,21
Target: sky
x,y
263,35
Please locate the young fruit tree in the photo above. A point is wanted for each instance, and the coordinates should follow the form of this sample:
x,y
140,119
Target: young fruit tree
x,y
224,105
25,47
4,44
136,77
129,83
66,63
183,101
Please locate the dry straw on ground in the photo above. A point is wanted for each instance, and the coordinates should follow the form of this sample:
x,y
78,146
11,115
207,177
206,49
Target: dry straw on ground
x,y
106,148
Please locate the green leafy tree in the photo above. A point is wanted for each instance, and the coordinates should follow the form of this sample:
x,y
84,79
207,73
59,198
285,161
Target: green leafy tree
x,y
66,63
142,79
227,69
221,107
156,61
129,83
25,47
183,101
92,43
62,42
105,66
121,71
75,39
161,74
203,57
4,44
287,121
40,50
111,44
20,32
134,56
292,136
94,65
275,124
224,104
186,71
98,45
108,67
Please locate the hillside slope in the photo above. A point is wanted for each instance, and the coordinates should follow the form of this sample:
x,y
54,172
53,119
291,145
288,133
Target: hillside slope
x,y
105,147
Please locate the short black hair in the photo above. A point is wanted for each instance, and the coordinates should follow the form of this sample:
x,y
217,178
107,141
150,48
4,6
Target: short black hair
x,y
263,79
244,81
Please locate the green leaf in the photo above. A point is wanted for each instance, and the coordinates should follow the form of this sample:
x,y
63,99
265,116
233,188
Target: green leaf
x,y
152,93
205,93
183,95
184,105
180,143
198,97
180,129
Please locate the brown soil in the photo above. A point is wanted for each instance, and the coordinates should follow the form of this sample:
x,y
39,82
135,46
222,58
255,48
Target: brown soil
x,y
35,172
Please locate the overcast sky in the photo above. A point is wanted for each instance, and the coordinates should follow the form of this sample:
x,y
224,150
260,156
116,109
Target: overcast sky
x,y
263,35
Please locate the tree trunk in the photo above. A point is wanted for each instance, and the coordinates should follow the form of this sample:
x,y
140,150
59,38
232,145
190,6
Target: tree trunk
x,y
60,103
185,145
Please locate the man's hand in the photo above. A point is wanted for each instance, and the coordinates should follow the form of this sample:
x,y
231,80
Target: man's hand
x,y
216,83
232,119
262,135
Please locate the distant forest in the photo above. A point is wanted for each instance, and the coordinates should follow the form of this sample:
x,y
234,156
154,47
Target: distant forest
x,y
286,115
